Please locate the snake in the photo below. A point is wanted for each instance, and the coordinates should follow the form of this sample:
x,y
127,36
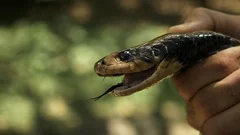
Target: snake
x,y
149,63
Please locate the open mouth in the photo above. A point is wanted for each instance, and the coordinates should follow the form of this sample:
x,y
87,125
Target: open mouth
x,y
129,80
133,79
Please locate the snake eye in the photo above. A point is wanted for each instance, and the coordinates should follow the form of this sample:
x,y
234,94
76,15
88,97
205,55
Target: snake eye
x,y
125,55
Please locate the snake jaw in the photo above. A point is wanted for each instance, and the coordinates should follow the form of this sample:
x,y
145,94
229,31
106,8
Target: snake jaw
x,y
130,80
141,80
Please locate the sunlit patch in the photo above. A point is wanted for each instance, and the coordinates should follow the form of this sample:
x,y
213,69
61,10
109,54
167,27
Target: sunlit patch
x,y
81,62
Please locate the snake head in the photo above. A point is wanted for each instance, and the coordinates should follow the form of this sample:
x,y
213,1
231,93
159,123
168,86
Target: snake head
x,y
141,67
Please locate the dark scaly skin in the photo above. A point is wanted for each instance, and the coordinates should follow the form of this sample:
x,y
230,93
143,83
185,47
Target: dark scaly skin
x,y
163,56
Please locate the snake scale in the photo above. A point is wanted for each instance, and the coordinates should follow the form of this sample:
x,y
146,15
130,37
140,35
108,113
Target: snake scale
x,y
148,63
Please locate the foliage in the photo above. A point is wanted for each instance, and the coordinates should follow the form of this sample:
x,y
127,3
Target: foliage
x,y
47,77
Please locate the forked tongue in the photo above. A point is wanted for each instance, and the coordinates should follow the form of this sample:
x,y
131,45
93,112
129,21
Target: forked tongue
x,y
107,91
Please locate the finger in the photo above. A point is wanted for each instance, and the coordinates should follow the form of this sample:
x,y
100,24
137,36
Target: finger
x,y
206,19
225,123
198,19
214,99
210,70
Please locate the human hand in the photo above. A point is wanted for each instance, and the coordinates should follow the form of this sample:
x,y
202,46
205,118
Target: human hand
x,y
211,88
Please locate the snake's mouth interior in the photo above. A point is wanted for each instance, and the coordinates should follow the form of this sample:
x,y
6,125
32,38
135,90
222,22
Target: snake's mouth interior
x,y
133,79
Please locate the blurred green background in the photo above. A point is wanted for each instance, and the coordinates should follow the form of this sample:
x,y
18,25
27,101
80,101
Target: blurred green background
x,y
47,52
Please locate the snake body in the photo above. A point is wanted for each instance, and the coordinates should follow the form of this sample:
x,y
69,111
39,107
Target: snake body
x,y
150,62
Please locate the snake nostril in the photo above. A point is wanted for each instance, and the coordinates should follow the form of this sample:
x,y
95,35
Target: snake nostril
x,y
103,62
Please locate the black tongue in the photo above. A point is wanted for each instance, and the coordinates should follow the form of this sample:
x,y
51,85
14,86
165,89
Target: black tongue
x,y
107,91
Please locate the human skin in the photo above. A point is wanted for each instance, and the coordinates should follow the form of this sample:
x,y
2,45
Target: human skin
x,y
211,88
